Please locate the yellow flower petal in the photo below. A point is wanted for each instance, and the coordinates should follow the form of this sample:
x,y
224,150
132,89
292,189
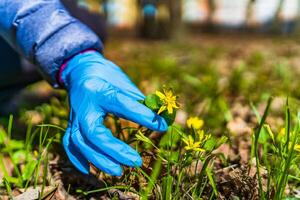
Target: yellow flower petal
x,y
170,109
200,149
168,101
195,122
187,148
185,141
297,147
160,95
200,135
191,145
161,109
197,144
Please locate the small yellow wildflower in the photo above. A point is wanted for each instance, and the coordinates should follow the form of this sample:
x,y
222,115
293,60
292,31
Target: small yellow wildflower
x,y
35,153
297,147
202,136
281,132
169,101
192,145
195,122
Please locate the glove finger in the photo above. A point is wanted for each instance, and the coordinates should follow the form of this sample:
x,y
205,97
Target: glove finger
x,y
92,129
133,92
103,140
75,157
100,160
121,81
128,108
127,86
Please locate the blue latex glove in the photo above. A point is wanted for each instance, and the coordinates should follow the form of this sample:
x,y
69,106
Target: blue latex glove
x,y
96,87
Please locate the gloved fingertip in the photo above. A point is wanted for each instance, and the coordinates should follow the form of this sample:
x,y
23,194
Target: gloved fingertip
x,y
134,158
76,162
163,125
81,169
138,162
159,124
116,171
76,159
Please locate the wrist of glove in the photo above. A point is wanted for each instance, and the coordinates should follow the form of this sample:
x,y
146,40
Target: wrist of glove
x,y
96,87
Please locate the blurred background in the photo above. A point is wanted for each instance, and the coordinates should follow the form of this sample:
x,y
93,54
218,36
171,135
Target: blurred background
x,y
218,55
161,18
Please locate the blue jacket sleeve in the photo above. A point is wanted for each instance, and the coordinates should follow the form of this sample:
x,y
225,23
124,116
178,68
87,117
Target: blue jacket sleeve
x,y
45,33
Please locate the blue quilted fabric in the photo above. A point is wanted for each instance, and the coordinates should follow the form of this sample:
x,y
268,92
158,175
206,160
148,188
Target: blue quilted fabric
x,y
45,33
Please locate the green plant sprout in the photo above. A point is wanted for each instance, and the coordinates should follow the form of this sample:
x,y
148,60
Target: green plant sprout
x,y
30,164
279,156
178,164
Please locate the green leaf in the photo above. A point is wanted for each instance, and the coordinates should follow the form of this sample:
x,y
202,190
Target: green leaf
x,y
141,137
28,170
167,187
202,174
152,179
178,129
171,157
211,179
269,131
141,101
12,179
221,141
14,145
3,136
210,144
170,138
263,136
8,186
153,102
170,118
19,156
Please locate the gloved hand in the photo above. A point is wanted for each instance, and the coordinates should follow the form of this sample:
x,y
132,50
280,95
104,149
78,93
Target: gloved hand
x,y
96,87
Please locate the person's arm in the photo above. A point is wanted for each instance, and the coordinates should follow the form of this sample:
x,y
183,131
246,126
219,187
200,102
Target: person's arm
x,y
69,53
45,33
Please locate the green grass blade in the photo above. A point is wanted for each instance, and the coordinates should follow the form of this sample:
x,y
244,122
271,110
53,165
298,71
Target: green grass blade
x,y
10,124
52,126
152,180
201,176
8,188
256,150
167,187
212,180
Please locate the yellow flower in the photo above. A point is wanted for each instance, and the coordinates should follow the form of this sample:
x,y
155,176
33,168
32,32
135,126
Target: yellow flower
x,y
35,153
195,122
281,132
202,136
169,101
297,147
192,145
